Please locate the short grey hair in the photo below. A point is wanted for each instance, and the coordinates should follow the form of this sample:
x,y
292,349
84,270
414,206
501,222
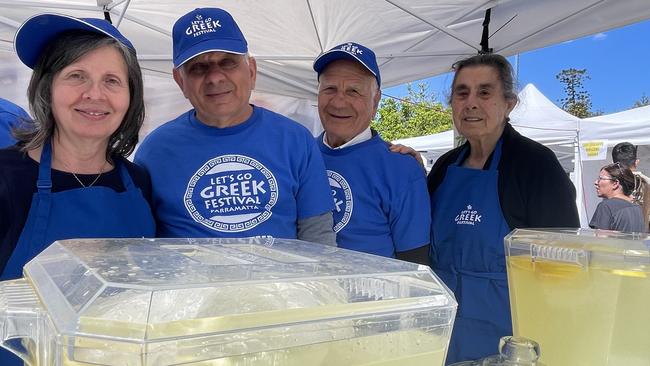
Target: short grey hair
x,y
62,52
499,63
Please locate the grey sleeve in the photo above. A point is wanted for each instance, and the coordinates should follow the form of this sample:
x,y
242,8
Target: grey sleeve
x,y
317,229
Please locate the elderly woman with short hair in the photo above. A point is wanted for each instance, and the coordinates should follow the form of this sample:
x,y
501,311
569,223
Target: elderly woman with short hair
x,y
497,181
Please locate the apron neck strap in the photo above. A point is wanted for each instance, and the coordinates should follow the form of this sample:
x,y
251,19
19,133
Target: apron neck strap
x,y
496,155
124,173
494,162
44,182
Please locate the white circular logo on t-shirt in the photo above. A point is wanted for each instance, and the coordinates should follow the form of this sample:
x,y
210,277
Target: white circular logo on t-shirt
x,y
231,193
343,201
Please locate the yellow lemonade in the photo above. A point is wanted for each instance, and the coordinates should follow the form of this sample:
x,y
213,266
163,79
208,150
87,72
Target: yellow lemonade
x,y
593,316
412,348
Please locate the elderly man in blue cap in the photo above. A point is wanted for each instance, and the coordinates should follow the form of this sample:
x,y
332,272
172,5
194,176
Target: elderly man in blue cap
x,y
227,168
380,197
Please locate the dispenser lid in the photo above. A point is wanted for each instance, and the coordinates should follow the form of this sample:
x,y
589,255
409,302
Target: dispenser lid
x,y
582,247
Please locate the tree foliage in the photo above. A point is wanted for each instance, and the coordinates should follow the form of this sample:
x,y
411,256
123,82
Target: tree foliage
x,y
644,101
417,114
577,100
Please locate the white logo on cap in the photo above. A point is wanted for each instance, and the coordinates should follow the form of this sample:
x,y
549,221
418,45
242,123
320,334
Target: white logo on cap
x,y
202,26
351,49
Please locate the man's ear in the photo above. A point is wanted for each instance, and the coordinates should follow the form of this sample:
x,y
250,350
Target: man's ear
x,y
178,78
376,100
252,66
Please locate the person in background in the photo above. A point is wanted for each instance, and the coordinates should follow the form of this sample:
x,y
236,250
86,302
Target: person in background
x,y
625,154
497,181
67,176
227,168
11,115
380,197
617,211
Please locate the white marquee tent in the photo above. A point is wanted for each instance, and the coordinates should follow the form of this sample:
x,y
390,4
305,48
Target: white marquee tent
x,y
413,39
632,126
640,114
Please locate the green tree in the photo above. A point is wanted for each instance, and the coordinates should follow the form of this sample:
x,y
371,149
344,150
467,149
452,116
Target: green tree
x,y
577,100
644,101
417,114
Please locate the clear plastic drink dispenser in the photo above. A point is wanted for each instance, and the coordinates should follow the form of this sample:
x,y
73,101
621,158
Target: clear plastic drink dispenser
x,y
582,295
223,302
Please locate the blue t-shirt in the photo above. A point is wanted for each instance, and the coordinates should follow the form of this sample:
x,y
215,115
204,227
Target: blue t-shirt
x,y
10,116
253,179
381,202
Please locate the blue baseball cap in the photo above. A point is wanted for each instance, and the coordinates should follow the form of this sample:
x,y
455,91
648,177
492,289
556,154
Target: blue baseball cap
x,y
206,30
349,51
38,31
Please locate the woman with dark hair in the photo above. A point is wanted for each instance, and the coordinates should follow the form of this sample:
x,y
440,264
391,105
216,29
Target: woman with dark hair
x,y
67,176
497,181
616,211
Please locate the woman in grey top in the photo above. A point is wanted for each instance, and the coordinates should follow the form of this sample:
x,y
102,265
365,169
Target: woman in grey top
x,y
616,211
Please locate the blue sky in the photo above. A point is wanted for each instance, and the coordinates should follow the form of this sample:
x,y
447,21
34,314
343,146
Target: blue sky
x,y
618,62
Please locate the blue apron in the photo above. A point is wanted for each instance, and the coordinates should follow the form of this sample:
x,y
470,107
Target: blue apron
x,y
91,212
468,230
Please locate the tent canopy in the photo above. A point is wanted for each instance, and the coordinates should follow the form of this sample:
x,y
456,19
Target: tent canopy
x,y
640,114
413,39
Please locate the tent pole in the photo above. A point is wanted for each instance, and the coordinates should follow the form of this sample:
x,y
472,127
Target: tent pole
x,y
578,180
119,20
10,22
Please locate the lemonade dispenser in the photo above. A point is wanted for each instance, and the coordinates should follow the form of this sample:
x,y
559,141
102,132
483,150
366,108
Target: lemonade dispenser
x,y
583,295
223,302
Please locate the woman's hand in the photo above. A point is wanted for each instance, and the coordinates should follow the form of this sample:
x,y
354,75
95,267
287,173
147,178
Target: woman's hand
x,y
406,150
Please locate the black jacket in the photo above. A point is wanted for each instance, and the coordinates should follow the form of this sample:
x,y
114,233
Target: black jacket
x,y
534,190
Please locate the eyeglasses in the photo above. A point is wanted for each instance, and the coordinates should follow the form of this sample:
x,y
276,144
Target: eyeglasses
x,y
608,168
606,178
